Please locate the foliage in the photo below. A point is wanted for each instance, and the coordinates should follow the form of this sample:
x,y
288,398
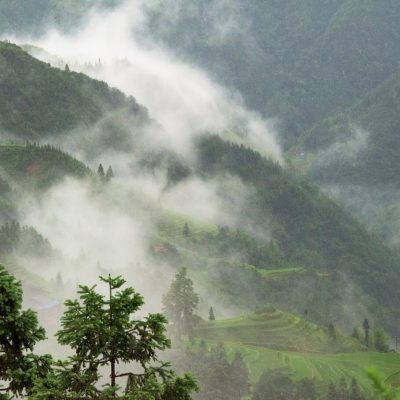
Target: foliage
x,y
277,386
37,100
39,166
382,389
19,333
218,377
23,240
381,340
309,228
180,302
104,335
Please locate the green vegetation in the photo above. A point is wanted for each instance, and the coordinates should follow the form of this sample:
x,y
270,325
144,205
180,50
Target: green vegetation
x,y
218,377
19,333
25,241
313,58
309,229
37,100
180,302
269,351
38,166
274,329
102,332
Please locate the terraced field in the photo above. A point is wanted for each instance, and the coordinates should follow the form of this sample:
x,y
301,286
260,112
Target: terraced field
x,y
324,368
279,340
279,331
171,227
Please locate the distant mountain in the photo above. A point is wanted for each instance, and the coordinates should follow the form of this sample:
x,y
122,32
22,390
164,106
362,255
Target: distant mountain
x,y
378,161
36,16
296,61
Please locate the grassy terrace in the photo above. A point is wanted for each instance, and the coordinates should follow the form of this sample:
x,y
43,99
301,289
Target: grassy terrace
x,y
275,340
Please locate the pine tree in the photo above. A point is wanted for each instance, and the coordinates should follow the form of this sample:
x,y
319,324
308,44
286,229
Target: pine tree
x,y
332,394
100,173
355,393
109,174
180,302
306,390
356,334
211,315
381,340
103,333
366,331
186,231
239,377
343,392
59,281
218,375
332,330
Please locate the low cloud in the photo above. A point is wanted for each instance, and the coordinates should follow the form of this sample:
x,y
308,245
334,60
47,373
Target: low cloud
x,y
179,95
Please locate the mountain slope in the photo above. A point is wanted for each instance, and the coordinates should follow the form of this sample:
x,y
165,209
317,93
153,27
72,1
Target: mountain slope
x,y
38,166
37,100
311,230
297,61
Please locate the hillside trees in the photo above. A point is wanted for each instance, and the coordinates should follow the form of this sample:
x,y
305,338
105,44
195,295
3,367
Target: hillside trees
x,y
218,377
381,340
180,302
274,385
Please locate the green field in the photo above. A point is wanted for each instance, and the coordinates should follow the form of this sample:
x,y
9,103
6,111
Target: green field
x,y
277,330
277,340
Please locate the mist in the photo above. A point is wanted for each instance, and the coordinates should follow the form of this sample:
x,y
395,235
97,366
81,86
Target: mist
x,y
180,96
183,103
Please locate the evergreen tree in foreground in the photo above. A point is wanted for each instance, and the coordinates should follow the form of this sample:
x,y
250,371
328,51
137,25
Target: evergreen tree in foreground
x,y
105,338
19,332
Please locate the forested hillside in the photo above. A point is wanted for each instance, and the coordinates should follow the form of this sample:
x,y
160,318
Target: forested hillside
x,y
37,100
297,61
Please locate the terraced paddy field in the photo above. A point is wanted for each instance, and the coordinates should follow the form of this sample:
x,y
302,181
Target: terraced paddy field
x,y
279,331
277,340
324,368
